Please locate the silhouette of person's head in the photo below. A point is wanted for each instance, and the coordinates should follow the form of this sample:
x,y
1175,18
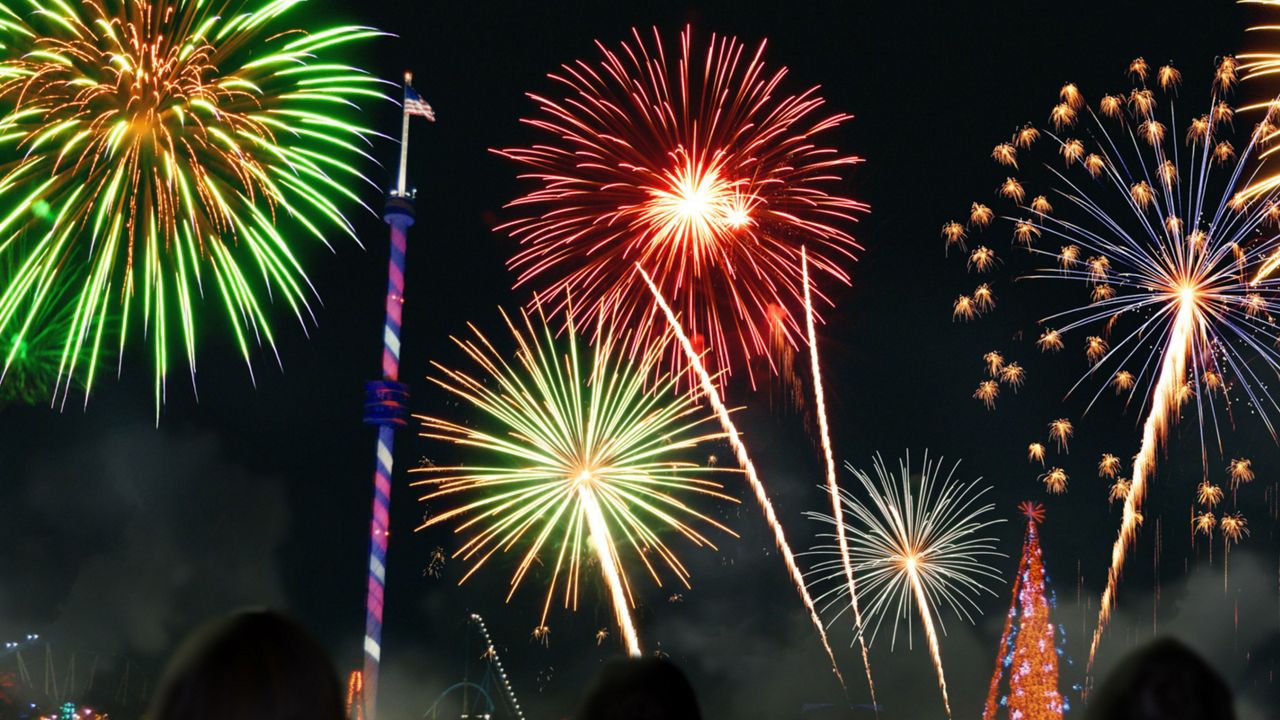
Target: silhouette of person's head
x,y
1164,680
255,665
640,689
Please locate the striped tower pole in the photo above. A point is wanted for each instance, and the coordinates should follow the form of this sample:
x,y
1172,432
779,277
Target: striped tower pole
x,y
385,406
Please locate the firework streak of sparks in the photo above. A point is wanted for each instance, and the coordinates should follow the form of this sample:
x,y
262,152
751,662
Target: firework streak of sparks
x,y
1164,409
30,352
152,146
740,450
910,548
833,487
698,171
1170,247
586,451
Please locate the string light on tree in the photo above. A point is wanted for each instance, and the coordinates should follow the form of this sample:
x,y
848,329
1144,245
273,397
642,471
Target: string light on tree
x,y
1028,654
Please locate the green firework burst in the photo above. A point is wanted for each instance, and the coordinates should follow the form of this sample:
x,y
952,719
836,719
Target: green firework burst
x,y
577,458
169,155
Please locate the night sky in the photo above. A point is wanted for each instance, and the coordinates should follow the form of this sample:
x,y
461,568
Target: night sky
x,y
120,537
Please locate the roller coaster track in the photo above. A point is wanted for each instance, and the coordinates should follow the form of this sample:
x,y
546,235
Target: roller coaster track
x,y
495,662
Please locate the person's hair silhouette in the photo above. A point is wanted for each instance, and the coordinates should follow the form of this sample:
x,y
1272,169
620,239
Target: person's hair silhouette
x,y
640,689
1163,680
255,665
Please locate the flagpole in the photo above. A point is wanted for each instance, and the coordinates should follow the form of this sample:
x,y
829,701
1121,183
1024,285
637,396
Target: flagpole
x,y
386,403
404,142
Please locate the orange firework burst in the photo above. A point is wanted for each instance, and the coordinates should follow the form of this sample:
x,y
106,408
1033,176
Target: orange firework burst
x,y
964,308
696,167
1208,494
984,297
1061,431
1122,382
1013,375
1050,341
987,392
1119,490
1108,466
1203,523
982,259
954,233
1055,481
980,215
994,361
1241,472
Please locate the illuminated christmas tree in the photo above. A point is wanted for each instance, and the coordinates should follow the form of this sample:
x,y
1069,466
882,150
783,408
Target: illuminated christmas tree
x,y
1024,685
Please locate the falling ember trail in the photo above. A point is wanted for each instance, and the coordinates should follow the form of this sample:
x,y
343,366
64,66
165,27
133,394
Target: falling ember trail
x,y
932,635
740,450
599,530
837,511
1164,400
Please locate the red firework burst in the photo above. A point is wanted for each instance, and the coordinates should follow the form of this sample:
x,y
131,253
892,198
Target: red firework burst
x,y
697,168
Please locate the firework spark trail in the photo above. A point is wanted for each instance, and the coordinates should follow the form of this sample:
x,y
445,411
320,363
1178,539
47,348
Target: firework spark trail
x,y
740,450
1163,403
824,431
930,633
605,552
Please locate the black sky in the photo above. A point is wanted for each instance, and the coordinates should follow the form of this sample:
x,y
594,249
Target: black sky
x,y
120,537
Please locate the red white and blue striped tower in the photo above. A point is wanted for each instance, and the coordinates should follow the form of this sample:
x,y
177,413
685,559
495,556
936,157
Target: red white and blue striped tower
x,y
386,400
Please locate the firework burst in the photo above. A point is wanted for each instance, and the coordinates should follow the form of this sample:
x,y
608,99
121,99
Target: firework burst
x,y
1055,481
1108,466
1171,252
1208,494
580,458
154,146
1203,523
696,167
1119,490
916,545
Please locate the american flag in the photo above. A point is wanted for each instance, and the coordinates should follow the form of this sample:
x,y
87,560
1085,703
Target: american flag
x,y
415,105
